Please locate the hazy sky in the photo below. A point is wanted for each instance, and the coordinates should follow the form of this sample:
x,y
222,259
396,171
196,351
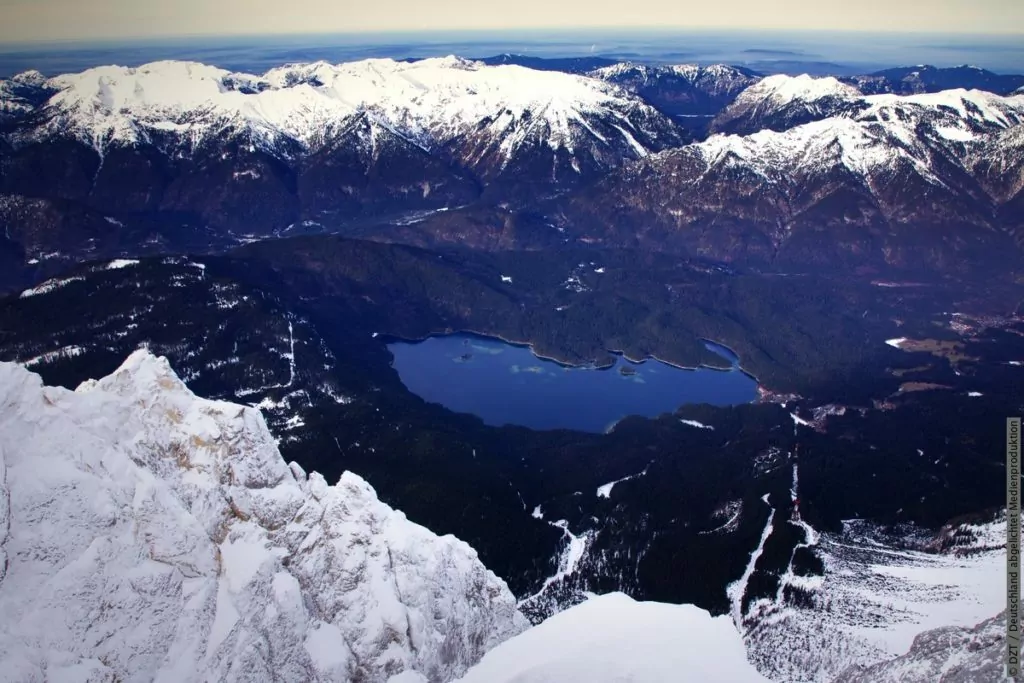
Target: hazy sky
x,y
31,20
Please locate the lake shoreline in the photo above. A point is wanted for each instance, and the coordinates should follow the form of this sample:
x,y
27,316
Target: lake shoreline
x,y
559,398
734,367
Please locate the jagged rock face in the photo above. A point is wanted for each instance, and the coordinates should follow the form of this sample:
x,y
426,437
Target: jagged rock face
x,y
999,166
685,89
251,154
147,534
943,655
368,168
904,180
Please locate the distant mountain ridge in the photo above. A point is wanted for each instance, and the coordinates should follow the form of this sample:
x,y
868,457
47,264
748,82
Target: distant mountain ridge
x,y
296,110
675,88
882,180
910,80
247,154
180,155
572,65
782,102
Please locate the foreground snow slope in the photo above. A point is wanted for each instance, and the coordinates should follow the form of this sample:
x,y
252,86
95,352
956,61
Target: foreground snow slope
x,y
613,639
147,534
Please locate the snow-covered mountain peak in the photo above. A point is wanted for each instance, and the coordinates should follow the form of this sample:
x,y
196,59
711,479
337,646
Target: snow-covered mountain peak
x,y
689,72
147,534
784,89
30,77
159,84
437,101
780,102
127,105
20,93
717,69
783,102
618,69
456,62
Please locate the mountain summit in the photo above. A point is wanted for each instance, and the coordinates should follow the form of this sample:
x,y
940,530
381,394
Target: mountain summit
x,y
147,534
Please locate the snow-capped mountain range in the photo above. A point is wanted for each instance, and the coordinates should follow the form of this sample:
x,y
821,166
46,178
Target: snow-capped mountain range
x,y
166,538
316,145
489,113
782,102
876,131
713,79
180,153
945,164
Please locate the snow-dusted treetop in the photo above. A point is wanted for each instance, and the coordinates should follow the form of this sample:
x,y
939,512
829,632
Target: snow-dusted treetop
x,y
147,534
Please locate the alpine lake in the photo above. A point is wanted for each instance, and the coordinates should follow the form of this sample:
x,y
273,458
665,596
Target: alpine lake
x,y
506,384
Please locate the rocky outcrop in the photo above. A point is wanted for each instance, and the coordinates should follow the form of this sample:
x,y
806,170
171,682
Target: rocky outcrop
x,y
943,655
147,534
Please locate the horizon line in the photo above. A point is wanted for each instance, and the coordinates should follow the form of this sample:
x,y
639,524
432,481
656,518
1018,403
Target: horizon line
x,y
607,30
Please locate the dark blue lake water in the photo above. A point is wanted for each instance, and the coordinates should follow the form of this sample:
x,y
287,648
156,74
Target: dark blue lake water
x,y
815,52
506,384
